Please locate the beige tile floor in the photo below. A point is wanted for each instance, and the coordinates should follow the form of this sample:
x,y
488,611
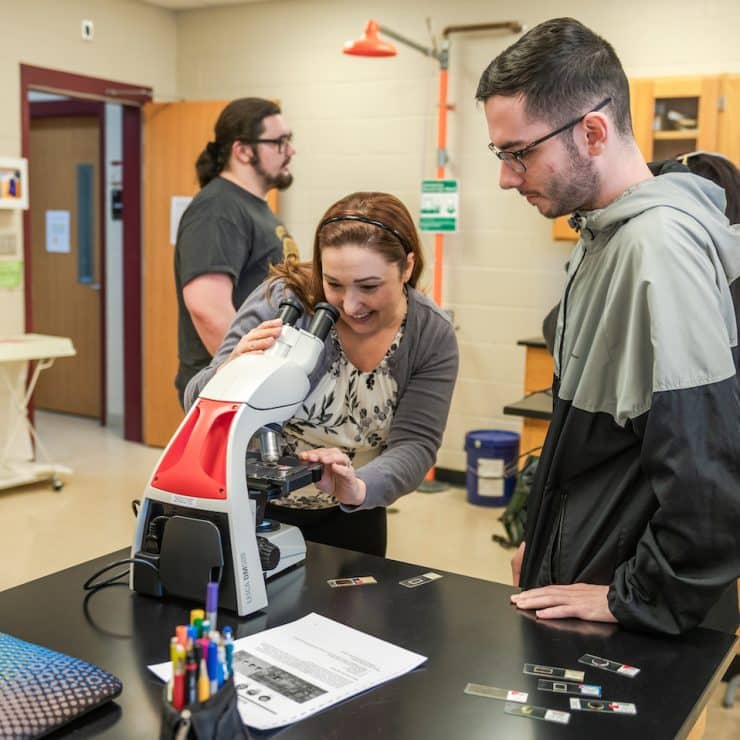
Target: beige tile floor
x,y
45,531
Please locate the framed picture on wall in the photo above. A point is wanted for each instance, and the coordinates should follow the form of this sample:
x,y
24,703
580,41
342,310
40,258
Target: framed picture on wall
x,y
13,182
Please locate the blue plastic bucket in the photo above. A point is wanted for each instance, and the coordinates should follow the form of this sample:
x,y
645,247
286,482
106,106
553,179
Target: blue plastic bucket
x,y
491,467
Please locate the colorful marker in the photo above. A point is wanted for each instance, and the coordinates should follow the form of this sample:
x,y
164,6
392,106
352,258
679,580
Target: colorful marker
x,y
229,645
198,624
212,603
173,659
191,677
178,680
213,666
182,634
204,685
221,663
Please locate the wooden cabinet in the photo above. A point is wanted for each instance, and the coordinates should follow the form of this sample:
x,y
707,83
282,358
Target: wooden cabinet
x,y
536,406
538,373
728,126
675,115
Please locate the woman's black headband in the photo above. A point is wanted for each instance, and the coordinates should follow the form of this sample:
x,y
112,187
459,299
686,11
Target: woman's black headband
x,y
406,246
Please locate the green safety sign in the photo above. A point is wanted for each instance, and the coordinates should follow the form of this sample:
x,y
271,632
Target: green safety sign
x,y
440,201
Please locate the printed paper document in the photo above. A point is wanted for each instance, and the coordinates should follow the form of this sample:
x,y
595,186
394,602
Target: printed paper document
x,y
288,673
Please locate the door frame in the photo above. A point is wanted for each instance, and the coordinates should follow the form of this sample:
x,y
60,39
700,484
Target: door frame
x,y
131,97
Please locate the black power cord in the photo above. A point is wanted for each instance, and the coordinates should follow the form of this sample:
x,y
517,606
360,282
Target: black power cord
x,y
88,585
150,545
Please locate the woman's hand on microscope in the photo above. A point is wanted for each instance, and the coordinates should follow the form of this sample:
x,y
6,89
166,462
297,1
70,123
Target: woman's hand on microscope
x,y
338,477
257,340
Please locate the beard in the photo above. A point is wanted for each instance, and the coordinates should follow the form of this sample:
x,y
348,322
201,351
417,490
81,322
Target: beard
x,y
572,190
281,181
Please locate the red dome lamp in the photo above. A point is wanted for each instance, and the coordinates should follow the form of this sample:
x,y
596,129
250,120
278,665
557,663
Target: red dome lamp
x,y
370,45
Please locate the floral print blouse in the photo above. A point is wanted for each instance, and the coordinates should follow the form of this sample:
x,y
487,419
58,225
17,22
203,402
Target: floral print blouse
x,y
348,409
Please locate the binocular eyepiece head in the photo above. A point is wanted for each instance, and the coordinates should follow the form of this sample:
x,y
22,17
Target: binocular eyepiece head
x,y
325,316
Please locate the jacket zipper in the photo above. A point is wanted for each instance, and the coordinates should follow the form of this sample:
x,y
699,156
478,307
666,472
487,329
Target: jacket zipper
x,y
555,561
565,312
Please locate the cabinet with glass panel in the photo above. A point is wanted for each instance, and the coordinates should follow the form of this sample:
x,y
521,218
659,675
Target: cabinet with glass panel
x,y
676,115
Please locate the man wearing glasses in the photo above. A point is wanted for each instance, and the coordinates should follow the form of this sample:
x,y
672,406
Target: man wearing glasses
x,y
228,236
635,511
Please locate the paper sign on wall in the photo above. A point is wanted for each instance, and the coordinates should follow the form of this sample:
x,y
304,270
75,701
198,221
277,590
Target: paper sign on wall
x,y
57,232
178,204
11,273
440,201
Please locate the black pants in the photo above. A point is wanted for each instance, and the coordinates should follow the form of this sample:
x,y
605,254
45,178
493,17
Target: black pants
x,y
364,531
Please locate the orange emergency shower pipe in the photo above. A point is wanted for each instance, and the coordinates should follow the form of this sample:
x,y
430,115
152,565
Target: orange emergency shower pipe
x,y
443,107
371,46
439,237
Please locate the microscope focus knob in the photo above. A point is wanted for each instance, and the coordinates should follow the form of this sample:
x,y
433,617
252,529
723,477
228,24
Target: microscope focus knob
x,y
269,553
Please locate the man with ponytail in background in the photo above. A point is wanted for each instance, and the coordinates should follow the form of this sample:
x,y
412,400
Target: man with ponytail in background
x,y
228,237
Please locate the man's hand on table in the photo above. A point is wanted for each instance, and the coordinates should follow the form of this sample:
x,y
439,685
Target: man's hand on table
x,y
579,601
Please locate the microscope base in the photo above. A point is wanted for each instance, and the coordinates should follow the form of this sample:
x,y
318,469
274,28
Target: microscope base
x,y
292,547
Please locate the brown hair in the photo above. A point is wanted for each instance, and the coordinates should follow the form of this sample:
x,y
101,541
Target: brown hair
x,y
241,120
719,169
562,69
305,279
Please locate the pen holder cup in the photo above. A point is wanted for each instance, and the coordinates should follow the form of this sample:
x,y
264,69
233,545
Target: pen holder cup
x,y
215,719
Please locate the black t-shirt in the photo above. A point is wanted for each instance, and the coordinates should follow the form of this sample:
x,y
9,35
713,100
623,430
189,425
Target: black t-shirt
x,y
225,230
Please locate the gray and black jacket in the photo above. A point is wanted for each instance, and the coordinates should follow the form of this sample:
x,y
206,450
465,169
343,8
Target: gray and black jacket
x,y
424,367
638,485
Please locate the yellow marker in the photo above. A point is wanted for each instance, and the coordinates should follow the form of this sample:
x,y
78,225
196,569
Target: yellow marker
x,y
174,645
173,650
204,685
196,614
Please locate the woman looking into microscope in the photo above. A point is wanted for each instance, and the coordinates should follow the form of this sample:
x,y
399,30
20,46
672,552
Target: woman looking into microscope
x,y
381,393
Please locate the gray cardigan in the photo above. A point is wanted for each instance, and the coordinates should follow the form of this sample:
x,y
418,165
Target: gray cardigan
x,y
424,367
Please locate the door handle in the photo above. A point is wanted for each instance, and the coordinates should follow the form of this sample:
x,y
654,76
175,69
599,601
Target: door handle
x,y
94,286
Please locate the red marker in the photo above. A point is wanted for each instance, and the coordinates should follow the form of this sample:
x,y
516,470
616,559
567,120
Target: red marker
x,y
178,680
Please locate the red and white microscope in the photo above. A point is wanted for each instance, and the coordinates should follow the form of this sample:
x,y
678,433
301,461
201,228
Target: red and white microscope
x,y
201,516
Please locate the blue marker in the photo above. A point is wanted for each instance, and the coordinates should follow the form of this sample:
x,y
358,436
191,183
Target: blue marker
x,y
221,663
213,666
229,645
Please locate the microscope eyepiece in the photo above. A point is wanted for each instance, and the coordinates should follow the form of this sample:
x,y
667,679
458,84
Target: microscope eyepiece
x,y
324,318
290,311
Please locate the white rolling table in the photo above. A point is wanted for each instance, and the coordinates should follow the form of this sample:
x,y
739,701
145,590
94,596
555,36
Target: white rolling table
x,y
18,463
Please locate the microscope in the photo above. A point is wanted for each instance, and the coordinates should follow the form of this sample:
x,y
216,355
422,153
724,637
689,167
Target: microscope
x,y
202,514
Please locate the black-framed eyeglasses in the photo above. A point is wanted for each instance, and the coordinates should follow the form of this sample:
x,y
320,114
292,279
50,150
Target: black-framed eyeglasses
x,y
515,159
281,142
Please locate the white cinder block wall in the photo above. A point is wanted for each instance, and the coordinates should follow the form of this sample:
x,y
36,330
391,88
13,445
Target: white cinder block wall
x,y
371,124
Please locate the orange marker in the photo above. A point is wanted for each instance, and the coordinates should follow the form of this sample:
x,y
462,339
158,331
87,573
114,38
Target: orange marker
x,y
182,634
